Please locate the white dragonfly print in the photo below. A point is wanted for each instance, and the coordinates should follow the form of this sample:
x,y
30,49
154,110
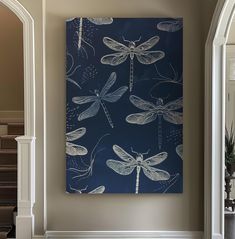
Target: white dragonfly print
x,y
99,98
96,21
75,149
130,163
142,53
71,69
176,79
179,150
170,25
85,169
156,111
98,190
166,185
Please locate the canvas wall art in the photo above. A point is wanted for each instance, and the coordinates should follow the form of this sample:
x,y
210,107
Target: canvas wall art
x,y
124,105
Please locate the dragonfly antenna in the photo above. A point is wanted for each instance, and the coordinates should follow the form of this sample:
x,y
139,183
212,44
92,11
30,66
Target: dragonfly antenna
x,y
137,40
134,151
146,152
123,38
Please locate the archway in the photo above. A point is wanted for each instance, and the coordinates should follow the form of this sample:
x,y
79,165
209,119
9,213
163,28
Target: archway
x,y
215,118
26,143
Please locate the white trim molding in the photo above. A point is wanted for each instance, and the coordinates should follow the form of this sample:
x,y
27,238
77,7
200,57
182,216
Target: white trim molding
x,y
26,143
26,187
123,234
215,70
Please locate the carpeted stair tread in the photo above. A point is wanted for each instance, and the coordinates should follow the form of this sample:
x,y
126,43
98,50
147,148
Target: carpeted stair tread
x,y
8,173
4,168
8,184
8,141
6,215
8,194
8,151
8,157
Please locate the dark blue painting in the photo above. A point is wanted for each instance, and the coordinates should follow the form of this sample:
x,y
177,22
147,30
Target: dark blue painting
x,y
124,105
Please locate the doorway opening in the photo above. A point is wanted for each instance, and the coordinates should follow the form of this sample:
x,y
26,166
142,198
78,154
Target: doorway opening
x,y
11,115
215,98
26,143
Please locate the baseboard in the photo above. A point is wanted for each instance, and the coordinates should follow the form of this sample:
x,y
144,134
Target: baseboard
x,y
123,235
12,116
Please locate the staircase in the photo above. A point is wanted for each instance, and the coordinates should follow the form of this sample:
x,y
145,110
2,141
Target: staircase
x,y
8,176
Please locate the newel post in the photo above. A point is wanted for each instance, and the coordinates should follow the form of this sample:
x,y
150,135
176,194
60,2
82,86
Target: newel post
x,y
25,187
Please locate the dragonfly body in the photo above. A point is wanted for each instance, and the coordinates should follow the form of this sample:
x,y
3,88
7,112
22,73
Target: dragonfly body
x,y
96,21
131,163
98,100
97,93
156,111
123,52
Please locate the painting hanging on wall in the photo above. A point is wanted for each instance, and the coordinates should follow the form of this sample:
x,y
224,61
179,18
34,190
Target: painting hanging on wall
x,y
124,105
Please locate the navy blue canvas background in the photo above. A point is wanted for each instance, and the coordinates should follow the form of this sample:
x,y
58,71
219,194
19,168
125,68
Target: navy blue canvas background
x,y
91,74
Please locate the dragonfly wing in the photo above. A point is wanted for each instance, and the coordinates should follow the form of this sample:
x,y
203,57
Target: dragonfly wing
x,y
156,159
121,153
114,45
173,117
101,20
76,134
170,26
148,44
156,174
116,95
111,80
175,105
90,112
83,99
122,168
141,104
179,150
98,190
141,118
149,57
74,149
114,59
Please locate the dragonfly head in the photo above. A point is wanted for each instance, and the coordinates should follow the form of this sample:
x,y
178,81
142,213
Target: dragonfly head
x,y
132,44
97,93
139,158
159,102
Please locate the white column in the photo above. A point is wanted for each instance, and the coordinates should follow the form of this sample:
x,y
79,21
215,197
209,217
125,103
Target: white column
x,y
26,187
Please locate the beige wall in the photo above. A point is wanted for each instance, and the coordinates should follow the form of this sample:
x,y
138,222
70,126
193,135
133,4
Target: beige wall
x,y
11,62
117,212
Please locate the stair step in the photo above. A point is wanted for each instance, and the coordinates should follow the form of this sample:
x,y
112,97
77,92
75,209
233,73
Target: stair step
x,y
8,194
15,128
6,215
12,233
8,142
3,129
8,156
8,173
